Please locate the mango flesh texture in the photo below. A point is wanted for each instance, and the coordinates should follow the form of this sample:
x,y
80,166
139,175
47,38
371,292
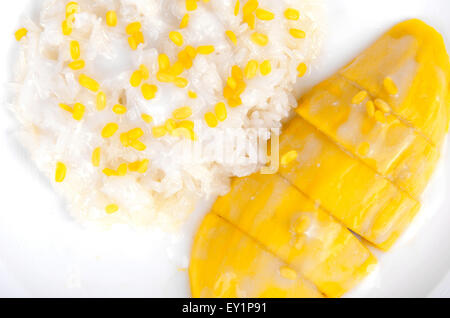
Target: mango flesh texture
x,y
226,263
364,201
372,192
413,54
395,150
291,226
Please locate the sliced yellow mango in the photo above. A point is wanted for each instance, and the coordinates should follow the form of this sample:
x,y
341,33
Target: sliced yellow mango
x,y
414,57
362,148
226,263
340,110
365,202
292,227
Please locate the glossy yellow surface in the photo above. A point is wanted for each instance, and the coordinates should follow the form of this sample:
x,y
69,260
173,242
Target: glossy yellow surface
x,y
292,227
227,263
357,155
413,54
352,192
394,149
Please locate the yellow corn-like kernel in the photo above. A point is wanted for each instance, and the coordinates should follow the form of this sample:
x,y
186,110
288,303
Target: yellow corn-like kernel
x,y
232,36
291,14
122,170
136,78
149,91
147,118
250,20
237,7
370,108
78,111
288,273
170,125
132,43
191,5
382,105
302,224
389,86
159,131
359,97
101,101
89,83
72,8
66,28
139,166
259,39
289,157
185,59
228,92
125,139
184,21
145,72
380,117
251,69
181,82
192,94
221,111
188,124
211,120
191,51
165,77
112,208
176,38
66,108
111,18
96,156
143,166
109,130
265,68
250,7
182,132
182,113
135,133
133,27
110,172
176,69
75,51
77,65
163,61
205,49
363,149
302,68
232,83
60,173
20,34
139,37
236,73
297,33
234,102
119,109
138,145
264,15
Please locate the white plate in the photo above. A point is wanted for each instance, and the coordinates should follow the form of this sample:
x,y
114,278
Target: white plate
x,y
44,253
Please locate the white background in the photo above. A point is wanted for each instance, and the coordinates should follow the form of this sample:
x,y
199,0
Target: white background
x,y
44,253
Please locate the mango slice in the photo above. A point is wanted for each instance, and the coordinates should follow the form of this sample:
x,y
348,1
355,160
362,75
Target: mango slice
x,y
358,154
227,263
340,110
413,55
352,192
292,227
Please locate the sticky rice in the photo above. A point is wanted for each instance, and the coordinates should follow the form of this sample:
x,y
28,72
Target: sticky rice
x,y
157,186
